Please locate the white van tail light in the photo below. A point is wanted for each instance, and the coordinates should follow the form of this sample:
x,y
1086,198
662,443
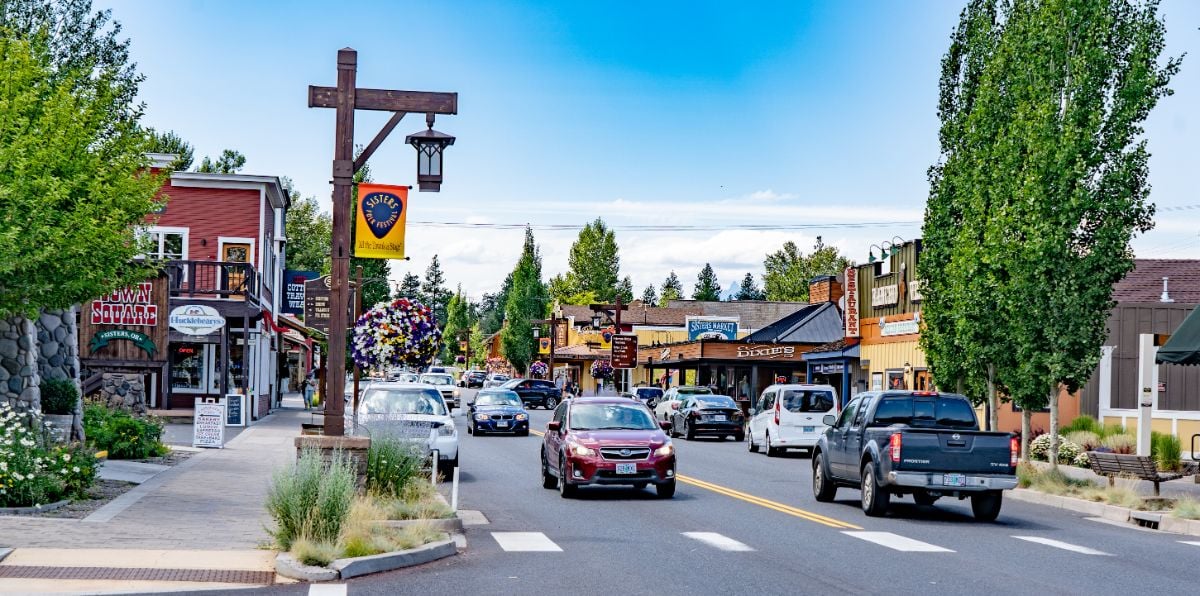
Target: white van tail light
x,y
777,402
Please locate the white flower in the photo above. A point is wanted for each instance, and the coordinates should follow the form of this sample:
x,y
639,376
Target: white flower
x,y
18,476
66,457
3,466
75,469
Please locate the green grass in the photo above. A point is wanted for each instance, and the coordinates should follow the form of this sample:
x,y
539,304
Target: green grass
x,y
391,465
1166,451
1186,508
310,499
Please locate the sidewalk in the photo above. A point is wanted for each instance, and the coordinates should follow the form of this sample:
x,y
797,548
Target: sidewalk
x,y
211,502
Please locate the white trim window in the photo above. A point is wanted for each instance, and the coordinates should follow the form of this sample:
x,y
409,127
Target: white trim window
x,y
167,243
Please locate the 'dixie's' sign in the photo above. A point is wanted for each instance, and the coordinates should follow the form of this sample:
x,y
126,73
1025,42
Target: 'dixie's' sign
x,y
128,306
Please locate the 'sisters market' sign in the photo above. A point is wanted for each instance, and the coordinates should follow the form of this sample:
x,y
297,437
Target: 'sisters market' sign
x,y
128,306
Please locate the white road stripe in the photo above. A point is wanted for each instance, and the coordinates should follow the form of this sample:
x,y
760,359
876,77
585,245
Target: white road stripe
x,y
327,590
720,541
525,542
1191,542
1063,545
898,542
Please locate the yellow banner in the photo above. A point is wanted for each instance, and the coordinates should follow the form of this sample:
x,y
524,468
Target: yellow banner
x,y
381,217
543,345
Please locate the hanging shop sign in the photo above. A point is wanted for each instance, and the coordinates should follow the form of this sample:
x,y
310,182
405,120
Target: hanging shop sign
x,y
908,327
196,319
885,296
141,340
624,351
316,304
712,328
293,297
851,297
132,306
381,218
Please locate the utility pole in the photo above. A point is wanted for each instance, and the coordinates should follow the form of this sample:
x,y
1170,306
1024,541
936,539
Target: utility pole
x,y
345,99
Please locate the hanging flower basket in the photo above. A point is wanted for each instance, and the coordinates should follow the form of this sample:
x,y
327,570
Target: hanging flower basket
x,y
602,369
398,333
460,359
538,369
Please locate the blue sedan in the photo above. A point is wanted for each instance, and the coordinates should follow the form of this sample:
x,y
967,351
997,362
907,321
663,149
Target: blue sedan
x,y
497,410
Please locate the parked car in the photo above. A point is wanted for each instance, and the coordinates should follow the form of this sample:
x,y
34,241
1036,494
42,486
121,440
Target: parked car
x,y
669,402
914,442
408,377
790,417
496,380
497,410
410,412
711,415
646,394
445,384
605,441
536,392
473,378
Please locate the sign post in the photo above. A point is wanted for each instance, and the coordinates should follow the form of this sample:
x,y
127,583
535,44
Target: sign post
x,y
208,422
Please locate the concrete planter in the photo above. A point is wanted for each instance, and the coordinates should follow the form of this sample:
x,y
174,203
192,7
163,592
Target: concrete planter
x,y
63,423
287,566
33,510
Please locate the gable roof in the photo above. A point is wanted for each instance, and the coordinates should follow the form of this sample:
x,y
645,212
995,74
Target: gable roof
x,y
1144,284
813,324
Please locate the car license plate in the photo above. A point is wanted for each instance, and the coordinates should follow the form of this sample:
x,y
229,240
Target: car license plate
x,y
719,418
808,429
627,468
501,424
954,480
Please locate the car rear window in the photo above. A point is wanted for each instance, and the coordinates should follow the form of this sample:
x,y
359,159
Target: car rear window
x,y
650,393
943,411
695,391
805,400
715,401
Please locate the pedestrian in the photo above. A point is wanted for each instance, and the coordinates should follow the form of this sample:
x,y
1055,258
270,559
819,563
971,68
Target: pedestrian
x,y
310,388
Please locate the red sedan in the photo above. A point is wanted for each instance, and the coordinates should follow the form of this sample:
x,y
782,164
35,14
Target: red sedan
x,y
605,441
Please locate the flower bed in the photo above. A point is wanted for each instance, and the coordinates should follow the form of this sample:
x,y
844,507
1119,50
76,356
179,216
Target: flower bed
x,y
34,472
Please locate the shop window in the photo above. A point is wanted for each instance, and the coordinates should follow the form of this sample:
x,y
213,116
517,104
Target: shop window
x,y
187,366
895,379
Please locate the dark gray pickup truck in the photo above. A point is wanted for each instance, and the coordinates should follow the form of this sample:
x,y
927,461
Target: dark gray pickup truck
x,y
914,442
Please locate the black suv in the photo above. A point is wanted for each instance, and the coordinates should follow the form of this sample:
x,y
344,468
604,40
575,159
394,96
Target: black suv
x,y
473,378
535,392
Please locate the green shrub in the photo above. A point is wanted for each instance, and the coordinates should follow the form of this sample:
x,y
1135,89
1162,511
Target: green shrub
x,y
1112,428
1082,423
1086,439
311,500
59,396
391,465
1119,443
1166,451
122,434
32,471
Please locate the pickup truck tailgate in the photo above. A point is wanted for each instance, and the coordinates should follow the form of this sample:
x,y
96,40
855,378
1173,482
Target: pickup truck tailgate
x,y
962,451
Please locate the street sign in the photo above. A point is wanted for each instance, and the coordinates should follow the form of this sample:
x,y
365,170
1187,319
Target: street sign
x,y
624,351
316,304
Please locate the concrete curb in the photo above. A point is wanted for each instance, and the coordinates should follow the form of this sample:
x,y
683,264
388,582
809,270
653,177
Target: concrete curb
x,y
33,510
450,526
357,566
1167,523
4,552
287,566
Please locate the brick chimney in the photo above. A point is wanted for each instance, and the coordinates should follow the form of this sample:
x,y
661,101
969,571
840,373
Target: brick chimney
x,y
825,288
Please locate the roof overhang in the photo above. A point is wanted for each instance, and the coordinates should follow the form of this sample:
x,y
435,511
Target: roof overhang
x,y
271,184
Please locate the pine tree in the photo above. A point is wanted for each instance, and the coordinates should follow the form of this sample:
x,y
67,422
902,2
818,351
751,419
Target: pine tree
x,y
649,296
748,289
434,291
410,287
707,287
672,289
625,290
527,299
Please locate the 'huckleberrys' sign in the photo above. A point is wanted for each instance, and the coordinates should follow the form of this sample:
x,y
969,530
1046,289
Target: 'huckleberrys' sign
x,y
196,319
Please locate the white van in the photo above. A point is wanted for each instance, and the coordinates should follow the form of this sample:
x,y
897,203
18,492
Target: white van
x,y
789,417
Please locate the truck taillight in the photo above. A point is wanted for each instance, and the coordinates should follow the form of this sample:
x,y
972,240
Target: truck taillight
x,y
894,443
1014,451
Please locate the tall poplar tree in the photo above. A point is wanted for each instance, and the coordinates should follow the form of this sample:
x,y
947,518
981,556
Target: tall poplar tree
x,y
526,300
594,263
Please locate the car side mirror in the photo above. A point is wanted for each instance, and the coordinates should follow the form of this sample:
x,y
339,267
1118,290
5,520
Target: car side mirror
x,y
554,426
829,420
664,425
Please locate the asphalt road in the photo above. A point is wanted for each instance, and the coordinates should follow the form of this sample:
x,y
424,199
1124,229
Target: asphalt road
x,y
743,523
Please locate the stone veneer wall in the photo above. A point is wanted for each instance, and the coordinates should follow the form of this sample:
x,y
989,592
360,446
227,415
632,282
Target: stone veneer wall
x,y
58,353
19,377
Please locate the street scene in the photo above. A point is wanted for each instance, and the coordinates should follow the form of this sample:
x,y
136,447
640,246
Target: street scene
x,y
927,325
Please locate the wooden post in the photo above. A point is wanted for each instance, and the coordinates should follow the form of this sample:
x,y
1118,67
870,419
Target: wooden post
x,y
358,290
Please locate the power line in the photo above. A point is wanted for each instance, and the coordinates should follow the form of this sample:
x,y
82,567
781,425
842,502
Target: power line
x,y
667,227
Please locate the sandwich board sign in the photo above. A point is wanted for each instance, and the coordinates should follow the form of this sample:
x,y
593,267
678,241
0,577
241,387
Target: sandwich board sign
x,y
208,422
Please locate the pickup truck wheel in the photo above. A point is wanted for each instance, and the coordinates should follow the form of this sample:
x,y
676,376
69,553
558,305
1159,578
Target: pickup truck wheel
x,y
986,506
875,498
924,499
823,487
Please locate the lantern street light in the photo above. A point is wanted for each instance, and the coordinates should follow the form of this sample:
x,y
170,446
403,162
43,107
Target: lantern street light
x,y
429,144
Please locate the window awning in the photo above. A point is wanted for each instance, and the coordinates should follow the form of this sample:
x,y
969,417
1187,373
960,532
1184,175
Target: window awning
x,y
1184,345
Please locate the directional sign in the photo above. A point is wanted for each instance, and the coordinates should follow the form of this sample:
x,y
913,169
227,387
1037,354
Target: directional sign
x,y
624,351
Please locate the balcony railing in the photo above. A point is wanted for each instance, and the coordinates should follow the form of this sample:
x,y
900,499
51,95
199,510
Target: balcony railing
x,y
214,279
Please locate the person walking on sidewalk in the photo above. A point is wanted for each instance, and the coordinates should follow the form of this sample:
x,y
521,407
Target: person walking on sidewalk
x,y
310,387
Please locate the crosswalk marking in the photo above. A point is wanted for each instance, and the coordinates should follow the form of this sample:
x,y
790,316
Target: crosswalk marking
x,y
1191,542
718,541
525,542
898,542
327,590
1063,545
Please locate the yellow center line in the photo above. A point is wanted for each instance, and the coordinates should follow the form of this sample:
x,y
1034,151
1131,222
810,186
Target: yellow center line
x,y
774,505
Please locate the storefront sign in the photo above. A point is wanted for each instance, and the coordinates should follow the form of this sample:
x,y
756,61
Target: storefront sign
x,y
128,306
140,340
712,328
885,296
316,304
829,368
851,313
908,327
767,352
624,351
914,291
208,423
381,218
196,319
293,297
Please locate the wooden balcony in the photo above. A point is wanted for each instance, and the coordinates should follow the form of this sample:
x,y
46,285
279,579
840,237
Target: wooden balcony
x,y
215,280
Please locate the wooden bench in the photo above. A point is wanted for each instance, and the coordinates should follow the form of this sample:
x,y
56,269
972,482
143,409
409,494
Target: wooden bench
x,y
1137,466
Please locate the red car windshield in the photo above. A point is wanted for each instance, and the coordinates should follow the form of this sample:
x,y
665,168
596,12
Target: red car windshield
x,y
611,417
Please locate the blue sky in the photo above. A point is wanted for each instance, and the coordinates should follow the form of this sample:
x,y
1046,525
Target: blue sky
x,y
690,113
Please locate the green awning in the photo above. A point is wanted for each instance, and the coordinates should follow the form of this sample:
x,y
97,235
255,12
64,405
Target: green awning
x,y
1184,345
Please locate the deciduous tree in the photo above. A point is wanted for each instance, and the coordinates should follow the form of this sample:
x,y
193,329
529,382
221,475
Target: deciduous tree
x,y
672,289
594,262
789,270
229,162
